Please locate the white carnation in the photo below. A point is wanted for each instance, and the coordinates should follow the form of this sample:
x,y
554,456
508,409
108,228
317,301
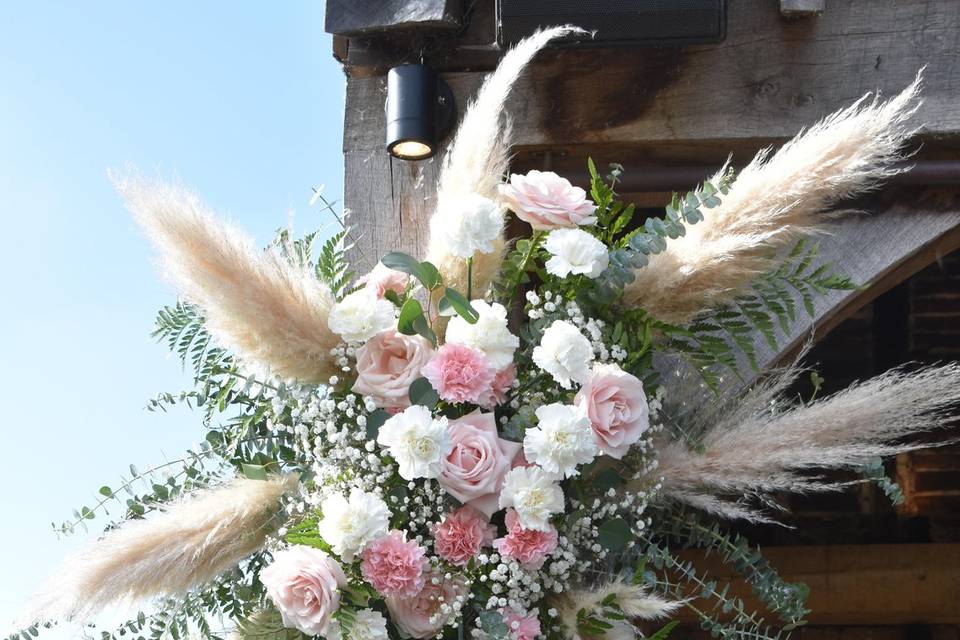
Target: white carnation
x,y
469,225
350,525
488,334
577,252
417,441
564,353
368,625
360,316
533,495
561,440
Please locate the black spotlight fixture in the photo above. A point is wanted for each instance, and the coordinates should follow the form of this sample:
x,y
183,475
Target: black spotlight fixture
x,y
420,111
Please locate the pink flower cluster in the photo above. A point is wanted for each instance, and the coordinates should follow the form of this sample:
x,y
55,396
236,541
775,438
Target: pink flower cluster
x,y
547,201
463,374
529,547
523,627
461,535
394,566
421,616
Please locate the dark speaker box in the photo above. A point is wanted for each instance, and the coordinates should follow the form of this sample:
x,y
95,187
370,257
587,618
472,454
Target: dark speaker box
x,y
618,22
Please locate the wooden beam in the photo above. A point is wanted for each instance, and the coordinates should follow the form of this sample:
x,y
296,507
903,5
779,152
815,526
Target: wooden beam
x,y
366,17
877,585
769,79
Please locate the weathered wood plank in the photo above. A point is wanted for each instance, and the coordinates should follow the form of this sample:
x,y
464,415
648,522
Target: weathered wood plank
x,y
770,78
360,17
799,8
882,584
878,251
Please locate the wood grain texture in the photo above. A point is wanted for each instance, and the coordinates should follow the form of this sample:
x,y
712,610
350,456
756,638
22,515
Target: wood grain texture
x,y
881,584
802,7
359,17
769,79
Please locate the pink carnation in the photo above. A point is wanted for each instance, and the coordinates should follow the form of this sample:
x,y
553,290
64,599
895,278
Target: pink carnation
x,y
382,279
500,386
529,547
461,535
394,566
523,627
547,201
460,373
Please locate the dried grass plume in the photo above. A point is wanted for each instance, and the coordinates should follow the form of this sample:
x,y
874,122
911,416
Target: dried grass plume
x,y
191,543
634,600
255,302
479,157
775,199
751,452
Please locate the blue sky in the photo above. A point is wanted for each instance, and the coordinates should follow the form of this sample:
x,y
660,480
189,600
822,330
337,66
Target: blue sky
x,y
242,102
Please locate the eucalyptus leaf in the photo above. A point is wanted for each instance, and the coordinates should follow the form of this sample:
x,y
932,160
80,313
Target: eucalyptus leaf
x,y
461,305
253,471
374,421
410,312
422,393
614,534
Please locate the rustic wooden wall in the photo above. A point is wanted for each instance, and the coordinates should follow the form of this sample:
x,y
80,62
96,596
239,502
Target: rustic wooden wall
x,y
691,107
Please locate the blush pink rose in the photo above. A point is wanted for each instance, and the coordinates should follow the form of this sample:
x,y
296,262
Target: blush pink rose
x,y
523,627
502,382
304,583
420,616
461,535
382,279
473,471
617,407
529,547
394,566
387,365
460,373
547,201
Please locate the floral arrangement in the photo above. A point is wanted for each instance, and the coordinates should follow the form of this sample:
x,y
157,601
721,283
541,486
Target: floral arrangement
x,y
505,440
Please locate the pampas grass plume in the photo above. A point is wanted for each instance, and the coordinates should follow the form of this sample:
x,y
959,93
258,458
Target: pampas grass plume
x,y
774,200
479,157
270,312
191,543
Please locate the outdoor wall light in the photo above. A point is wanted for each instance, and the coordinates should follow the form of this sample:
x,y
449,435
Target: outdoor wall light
x,y
420,111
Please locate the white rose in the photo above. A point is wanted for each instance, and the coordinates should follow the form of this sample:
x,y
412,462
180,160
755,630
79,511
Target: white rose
x,y
469,225
564,353
417,441
349,525
489,334
561,440
360,316
368,625
533,495
577,252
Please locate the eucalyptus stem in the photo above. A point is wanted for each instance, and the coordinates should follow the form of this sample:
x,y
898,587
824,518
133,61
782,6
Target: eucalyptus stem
x,y
470,278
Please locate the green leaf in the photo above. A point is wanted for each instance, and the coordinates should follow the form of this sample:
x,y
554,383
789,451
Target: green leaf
x,y
106,491
459,303
614,534
253,471
664,632
422,393
374,421
426,273
410,312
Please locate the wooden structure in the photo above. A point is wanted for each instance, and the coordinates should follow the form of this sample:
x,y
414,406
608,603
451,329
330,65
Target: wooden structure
x,y
670,115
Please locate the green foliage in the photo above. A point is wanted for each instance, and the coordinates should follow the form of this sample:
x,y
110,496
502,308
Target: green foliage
x,y
875,472
517,267
332,266
266,624
181,328
713,339
786,600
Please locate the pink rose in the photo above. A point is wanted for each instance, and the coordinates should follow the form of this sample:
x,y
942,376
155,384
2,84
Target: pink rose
x,y
387,365
460,373
616,404
461,535
502,382
304,583
382,279
547,201
414,616
394,566
529,547
523,627
473,471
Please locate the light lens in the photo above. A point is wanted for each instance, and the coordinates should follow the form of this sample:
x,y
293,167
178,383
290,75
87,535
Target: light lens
x,y
411,149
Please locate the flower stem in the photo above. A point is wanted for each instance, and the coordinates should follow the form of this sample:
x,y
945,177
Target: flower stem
x,y
470,278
